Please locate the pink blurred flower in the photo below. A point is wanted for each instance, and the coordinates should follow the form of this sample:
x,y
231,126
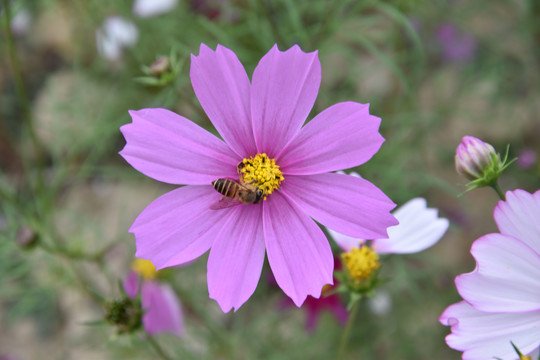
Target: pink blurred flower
x,y
527,158
264,116
315,307
161,307
419,228
502,295
457,46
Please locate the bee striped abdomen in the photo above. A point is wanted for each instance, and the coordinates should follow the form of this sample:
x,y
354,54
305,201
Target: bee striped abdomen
x,y
226,187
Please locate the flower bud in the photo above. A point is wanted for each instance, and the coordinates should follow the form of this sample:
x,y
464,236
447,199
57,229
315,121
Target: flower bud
x,y
474,157
26,237
125,314
160,66
478,162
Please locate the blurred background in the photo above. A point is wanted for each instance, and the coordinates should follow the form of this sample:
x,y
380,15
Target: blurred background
x,y
434,71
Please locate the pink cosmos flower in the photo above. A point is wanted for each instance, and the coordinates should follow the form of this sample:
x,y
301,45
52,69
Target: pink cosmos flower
x,y
314,307
260,122
162,310
502,295
419,228
527,158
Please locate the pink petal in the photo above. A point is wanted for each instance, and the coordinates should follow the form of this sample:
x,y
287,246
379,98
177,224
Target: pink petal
x,y
131,284
179,226
162,311
343,136
519,215
236,258
484,335
223,89
283,91
419,228
172,149
298,252
344,203
507,276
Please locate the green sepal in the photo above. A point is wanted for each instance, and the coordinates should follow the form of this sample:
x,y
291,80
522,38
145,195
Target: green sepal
x,y
491,173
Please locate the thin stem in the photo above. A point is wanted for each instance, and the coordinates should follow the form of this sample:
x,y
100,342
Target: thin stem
x,y
76,255
346,333
498,190
157,348
17,76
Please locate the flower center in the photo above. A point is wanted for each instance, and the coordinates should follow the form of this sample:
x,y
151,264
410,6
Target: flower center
x,y
361,263
144,268
261,171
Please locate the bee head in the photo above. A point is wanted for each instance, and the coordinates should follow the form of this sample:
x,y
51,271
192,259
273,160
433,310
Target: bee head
x,y
259,194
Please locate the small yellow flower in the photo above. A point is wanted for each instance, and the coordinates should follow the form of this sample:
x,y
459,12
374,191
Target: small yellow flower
x,y
360,263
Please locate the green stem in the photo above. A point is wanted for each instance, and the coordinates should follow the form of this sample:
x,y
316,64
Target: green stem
x,y
157,348
17,76
498,190
346,333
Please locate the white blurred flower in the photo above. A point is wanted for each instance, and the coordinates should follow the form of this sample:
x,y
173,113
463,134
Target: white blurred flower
x,y
419,228
21,21
114,35
381,303
149,8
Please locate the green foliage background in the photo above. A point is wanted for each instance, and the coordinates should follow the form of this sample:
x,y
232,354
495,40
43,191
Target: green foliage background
x,y
61,106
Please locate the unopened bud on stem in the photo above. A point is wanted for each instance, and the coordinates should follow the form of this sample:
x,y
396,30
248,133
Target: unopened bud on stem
x,y
479,162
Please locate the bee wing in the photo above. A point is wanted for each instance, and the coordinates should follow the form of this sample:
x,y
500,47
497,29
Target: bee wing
x,y
224,203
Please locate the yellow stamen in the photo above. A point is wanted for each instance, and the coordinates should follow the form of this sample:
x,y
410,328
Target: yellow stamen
x,y
144,268
261,171
361,263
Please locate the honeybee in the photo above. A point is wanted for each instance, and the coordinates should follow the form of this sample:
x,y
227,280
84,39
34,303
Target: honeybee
x,y
235,193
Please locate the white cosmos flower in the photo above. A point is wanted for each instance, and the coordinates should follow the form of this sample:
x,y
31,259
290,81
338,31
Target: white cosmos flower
x,y
114,35
419,228
149,8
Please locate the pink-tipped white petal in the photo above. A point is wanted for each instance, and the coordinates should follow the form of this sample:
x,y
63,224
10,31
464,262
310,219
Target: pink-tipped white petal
x,y
179,226
172,149
419,228
223,89
482,335
283,91
162,311
507,276
343,136
298,252
347,204
519,216
131,284
236,258
346,243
